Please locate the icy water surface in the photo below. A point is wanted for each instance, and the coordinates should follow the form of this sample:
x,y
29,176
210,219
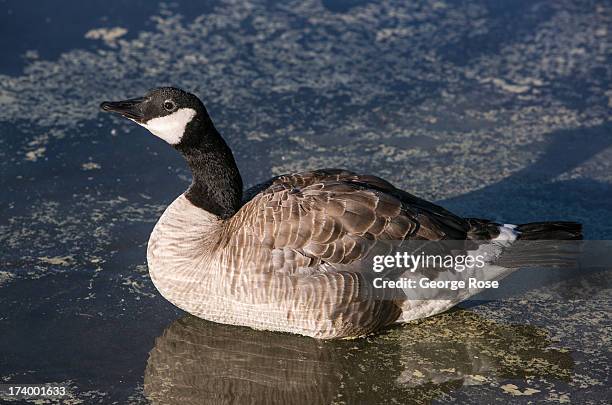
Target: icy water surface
x,y
494,109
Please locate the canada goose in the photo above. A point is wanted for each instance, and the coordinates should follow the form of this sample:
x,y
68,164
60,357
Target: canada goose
x,y
286,256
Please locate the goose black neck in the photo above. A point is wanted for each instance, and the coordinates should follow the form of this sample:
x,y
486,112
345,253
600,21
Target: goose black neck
x,y
216,185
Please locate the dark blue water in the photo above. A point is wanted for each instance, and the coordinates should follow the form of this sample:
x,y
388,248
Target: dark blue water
x,y
494,109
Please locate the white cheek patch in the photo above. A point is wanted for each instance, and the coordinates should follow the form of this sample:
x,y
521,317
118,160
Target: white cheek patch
x,y
171,128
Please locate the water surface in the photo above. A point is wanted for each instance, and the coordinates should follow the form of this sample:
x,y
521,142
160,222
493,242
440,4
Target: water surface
x,y
494,109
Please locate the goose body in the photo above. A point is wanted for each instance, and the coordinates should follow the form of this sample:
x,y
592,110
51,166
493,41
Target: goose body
x,y
289,254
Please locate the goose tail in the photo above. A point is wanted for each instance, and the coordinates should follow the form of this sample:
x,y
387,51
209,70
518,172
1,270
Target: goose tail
x,y
544,245
556,230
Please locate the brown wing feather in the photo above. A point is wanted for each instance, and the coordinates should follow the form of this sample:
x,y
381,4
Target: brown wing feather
x,y
299,221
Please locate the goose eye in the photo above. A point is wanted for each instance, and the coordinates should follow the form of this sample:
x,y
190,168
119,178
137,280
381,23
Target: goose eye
x,y
169,105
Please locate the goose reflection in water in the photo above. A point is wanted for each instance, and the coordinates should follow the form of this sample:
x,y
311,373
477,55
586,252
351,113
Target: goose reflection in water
x,y
196,362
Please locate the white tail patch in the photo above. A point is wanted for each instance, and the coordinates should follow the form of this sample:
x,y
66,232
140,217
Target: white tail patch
x,y
507,233
171,128
492,250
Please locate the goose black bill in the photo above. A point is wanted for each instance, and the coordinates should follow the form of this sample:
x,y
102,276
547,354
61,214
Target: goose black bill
x,y
131,108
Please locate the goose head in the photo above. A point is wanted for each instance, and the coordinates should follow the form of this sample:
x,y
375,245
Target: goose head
x,y
180,118
171,114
